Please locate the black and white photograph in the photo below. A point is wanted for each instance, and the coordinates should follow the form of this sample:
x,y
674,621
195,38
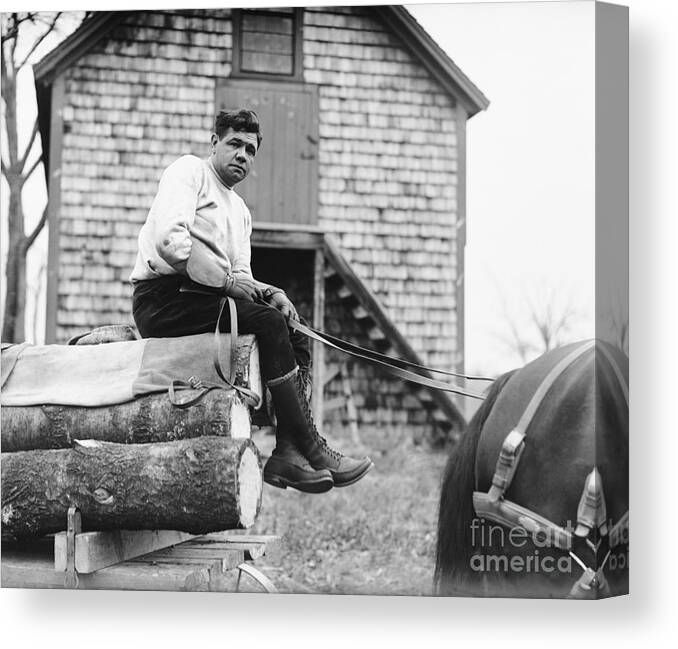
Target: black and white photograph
x,y
317,300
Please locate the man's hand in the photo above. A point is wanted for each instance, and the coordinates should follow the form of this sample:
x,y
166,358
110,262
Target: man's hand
x,y
243,288
280,301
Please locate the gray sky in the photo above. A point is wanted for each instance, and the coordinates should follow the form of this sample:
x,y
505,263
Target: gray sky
x,y
530,163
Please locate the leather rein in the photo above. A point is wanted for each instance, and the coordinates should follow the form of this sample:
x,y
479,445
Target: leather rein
x,y
395,366
591,512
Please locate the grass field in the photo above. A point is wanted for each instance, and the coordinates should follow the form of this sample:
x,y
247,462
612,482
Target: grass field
x,y
375,537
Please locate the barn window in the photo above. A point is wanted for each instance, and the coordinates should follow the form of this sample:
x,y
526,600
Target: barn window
x,y
267,43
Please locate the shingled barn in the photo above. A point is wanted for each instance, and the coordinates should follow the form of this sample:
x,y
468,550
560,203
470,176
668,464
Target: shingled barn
x,y
357,193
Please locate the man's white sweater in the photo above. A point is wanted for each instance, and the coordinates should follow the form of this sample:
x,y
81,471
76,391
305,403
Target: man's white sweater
x,y
194,214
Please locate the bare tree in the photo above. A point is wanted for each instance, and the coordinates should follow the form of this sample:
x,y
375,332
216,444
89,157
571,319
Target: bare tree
x,y
18,165
546,321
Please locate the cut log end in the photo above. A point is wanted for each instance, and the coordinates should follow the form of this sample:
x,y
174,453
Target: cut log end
x,y
255,381
240,420
250,487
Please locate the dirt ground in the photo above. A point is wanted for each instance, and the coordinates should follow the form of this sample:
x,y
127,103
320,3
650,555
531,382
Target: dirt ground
x,y
376,537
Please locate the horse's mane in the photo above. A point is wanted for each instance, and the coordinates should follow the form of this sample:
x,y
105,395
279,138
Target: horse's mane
x,y
453,549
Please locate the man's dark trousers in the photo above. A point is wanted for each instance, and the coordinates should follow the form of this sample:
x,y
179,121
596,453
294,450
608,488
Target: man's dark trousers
x,y
162,310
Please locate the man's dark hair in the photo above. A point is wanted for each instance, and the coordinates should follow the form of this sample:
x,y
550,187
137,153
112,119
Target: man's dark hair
x,y
239,120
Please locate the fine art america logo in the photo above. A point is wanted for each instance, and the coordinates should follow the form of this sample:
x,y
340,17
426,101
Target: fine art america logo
x,y
522,550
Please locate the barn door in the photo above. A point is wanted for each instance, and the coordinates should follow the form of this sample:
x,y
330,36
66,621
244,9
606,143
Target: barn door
x,y
283,184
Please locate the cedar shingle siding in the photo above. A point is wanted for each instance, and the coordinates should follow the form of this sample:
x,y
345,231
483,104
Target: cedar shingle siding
x,y
388,147
132,105
387,173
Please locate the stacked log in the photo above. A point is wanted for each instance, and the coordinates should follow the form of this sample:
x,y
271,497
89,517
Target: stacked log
x,y
200,485
144,464
148,419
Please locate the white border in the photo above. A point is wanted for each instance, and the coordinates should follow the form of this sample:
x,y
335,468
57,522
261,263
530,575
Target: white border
x,y
115,619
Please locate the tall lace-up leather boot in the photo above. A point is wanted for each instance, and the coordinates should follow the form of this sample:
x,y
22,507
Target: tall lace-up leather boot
x,y
295,422
287,466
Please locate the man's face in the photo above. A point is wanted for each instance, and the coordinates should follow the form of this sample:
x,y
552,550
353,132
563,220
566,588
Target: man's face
x,y
233,155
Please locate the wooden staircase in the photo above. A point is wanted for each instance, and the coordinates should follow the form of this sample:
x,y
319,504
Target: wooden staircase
x,y
385,337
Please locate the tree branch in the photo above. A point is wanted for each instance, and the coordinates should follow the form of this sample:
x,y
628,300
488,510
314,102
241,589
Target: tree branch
x,y
13,23
41,16
50,28
9,28
24,157
514,341
36,231
9,100
12,48
4,169
4,63
34,166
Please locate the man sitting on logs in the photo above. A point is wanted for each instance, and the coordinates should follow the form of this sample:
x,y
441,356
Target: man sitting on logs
x,y
197,236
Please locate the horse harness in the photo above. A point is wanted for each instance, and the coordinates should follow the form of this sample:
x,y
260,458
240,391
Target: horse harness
x,y
591,512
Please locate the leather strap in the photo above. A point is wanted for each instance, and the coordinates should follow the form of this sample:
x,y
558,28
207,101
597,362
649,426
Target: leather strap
x,y
511,515
507,463
616,369
250,397
492,505
374,358
514,442
364,353
619,534
548,381
233,336
193,383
